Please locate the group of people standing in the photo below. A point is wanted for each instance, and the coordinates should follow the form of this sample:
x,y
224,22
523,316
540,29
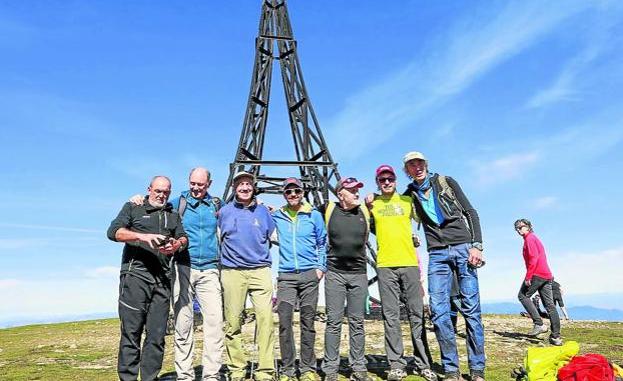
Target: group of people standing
x,y
221,255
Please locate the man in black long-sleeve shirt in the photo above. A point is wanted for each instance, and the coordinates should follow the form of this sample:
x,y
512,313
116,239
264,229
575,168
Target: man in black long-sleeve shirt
x,y
346,280
152,233
454,243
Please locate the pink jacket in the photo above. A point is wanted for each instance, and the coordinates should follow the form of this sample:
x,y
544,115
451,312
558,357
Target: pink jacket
x,y
535,259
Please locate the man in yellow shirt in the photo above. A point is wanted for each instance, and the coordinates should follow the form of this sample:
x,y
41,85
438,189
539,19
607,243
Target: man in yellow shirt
x,y
397,268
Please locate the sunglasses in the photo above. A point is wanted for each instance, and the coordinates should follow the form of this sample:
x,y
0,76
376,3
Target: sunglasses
x,y
289,192
384,180
518,228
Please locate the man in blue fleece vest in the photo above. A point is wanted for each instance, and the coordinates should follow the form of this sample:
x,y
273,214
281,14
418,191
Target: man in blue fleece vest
x,y
246,227
196,275
302,264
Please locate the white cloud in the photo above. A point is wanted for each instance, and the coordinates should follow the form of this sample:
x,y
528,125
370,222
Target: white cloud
x,y
567,85
103,272
49,227
580,273
504,168
451,65
16,243
589,272
32,297
6,284
545,202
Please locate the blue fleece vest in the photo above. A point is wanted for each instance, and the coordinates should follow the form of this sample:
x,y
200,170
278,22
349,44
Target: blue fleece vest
x,y
199,221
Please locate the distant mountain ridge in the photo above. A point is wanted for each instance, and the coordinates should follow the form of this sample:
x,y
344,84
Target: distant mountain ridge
x,y
17,321
575,312
583,312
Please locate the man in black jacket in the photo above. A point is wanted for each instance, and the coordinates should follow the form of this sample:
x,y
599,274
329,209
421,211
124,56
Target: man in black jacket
x,y
152,233
454,243
348,226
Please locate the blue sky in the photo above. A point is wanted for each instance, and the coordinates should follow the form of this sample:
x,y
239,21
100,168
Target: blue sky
x,y
521,102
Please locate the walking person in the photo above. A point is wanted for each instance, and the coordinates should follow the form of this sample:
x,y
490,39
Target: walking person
x,y
454,242
245,230
302,264
557,295
539,279
152,233
397,269
348,226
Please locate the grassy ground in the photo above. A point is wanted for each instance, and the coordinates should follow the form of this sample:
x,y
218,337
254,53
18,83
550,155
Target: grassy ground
x,y
87,350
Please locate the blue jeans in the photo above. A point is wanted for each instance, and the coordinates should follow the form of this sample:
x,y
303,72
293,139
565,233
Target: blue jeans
x,y
440,266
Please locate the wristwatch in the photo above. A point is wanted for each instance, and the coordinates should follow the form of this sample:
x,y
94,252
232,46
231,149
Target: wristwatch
x,y
477,245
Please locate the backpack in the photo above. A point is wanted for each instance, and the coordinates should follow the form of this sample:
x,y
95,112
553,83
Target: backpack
x,y
364,210
447,194
542,364
181,208
588,367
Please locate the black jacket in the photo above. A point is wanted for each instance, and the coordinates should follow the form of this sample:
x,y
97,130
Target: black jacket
x,y
138,258
457,227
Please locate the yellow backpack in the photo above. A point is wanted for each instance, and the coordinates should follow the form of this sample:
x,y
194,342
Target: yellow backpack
x,y
542,363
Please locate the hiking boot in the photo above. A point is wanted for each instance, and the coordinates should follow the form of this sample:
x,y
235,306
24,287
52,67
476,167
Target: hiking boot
x,y
360,376
537,330
309,376
396,375
557,341
453,377
428,374
330,377
478,375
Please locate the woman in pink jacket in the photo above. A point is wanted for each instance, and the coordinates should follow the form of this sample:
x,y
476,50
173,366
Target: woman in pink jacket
x,y
538,278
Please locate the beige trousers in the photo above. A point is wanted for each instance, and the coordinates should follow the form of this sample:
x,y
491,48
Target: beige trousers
x,y
205,285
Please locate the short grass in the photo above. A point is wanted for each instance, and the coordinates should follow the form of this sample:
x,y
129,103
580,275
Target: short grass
x,y
87,350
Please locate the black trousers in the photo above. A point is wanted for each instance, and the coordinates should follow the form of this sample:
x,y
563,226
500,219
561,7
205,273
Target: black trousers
x,y
544,287
304,287
143,306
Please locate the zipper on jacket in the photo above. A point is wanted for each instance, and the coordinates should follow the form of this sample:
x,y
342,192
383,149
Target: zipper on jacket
x,y
295,223
200,256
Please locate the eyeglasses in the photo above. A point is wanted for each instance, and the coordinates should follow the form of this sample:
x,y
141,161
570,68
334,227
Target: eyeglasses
x,y
384,180
518,228
292,191
161,191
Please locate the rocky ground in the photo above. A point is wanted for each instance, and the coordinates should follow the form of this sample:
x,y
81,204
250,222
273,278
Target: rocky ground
x,y
87,350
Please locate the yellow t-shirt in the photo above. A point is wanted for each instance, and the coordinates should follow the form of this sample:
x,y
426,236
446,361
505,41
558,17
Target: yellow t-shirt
x,y
392,220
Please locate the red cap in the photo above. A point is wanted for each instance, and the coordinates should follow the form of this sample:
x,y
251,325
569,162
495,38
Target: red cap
x,y
385,168
348,182
292,180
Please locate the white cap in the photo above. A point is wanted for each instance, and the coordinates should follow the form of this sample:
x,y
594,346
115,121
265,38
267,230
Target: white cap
x,y
243,174
413,155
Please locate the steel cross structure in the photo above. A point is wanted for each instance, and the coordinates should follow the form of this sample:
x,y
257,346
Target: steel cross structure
x,y
317,169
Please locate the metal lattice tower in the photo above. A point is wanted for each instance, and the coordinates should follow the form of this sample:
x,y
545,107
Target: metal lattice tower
x,y
317,169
